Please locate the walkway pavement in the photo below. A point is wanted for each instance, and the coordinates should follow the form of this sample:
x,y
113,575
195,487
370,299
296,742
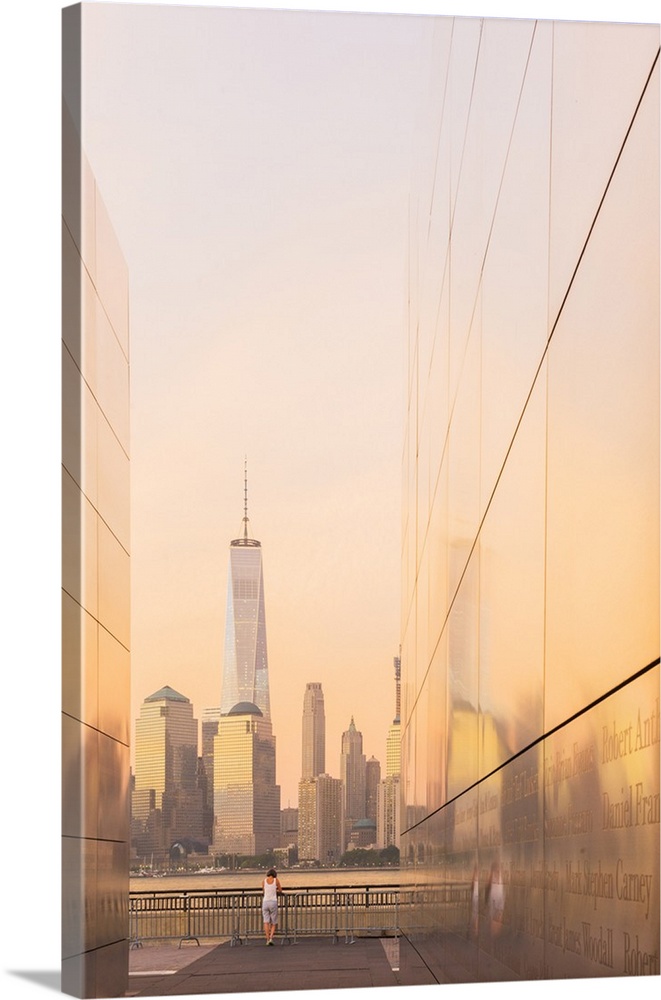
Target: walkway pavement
x,y
310,964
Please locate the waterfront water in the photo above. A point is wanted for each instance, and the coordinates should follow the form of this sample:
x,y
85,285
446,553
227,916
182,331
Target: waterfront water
x,y
294,878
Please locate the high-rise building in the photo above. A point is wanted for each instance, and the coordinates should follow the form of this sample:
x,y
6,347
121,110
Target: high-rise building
x,y
288,826
166,768
246,797
352,774
394,738
209,727
314,732
388,812
321,819
330,819
307,819
372,780
388,803
245,666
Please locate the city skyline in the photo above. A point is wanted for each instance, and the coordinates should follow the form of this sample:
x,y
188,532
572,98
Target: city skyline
x,y
267,246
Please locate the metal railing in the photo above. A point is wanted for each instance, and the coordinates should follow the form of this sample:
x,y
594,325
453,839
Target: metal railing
x,y
237,914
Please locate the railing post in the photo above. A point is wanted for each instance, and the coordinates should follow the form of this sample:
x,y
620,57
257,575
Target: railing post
x,y
133,925
187,936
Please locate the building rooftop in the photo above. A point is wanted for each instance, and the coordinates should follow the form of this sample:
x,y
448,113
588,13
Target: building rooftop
x,y
245,708
167,694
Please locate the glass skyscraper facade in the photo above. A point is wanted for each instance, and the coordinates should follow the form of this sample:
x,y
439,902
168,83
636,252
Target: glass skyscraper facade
x,y
96,659
166,775
530,596
246,797
245,665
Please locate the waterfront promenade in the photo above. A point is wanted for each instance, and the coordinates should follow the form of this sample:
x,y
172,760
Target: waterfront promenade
x,y
310,964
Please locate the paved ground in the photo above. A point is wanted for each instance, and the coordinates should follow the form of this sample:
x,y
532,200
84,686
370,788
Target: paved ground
x,y
310,964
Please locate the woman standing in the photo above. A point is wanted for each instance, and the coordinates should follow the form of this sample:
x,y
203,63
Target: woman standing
x,y
272,889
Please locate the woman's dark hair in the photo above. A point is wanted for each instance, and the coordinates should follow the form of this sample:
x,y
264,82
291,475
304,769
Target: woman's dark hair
x,y
272,872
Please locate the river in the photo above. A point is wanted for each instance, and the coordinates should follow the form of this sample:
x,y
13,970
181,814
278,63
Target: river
x,y
294,878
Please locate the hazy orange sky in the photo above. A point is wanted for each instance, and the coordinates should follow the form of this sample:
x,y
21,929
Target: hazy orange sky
x,y
256,166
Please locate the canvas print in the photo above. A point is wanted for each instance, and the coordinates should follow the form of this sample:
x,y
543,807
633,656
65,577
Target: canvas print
x,y
360,500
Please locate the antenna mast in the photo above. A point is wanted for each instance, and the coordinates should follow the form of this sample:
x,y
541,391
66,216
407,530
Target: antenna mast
x,y
245,498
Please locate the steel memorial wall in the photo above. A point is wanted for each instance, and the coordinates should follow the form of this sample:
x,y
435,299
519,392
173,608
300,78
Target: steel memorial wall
x,y
530,598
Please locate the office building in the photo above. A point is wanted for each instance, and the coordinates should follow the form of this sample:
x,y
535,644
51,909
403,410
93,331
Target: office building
x,y
530,610
352,775
388,812
166,772
321,836
372,780
388,807
246,797
209,728
288,827
314,732
394,738
245,664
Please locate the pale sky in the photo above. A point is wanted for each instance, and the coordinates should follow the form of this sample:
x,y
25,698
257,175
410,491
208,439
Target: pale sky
x,y
256,166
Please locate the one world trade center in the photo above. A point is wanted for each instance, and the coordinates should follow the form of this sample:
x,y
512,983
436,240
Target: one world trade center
x,y
245,671
246,797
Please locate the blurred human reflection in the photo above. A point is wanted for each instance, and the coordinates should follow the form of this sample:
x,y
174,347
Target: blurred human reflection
x,y
495,900
473,923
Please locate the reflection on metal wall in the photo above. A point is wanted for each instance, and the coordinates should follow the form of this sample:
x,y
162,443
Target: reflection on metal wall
x,y
95,572
530,771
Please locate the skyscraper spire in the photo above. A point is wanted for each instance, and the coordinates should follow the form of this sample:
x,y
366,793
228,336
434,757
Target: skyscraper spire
x,y
245,538
245,498
397,662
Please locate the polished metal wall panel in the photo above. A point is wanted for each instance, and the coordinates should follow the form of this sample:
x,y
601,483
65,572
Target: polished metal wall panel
x,y
95,575
79,862
515,278
599,71
107,371
112,892
437,713
79,555
114,683
603,442
113,789
80,779
461,731
531,542
512,592
113,482
111,274
601,820
463,456
80,696
114,603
